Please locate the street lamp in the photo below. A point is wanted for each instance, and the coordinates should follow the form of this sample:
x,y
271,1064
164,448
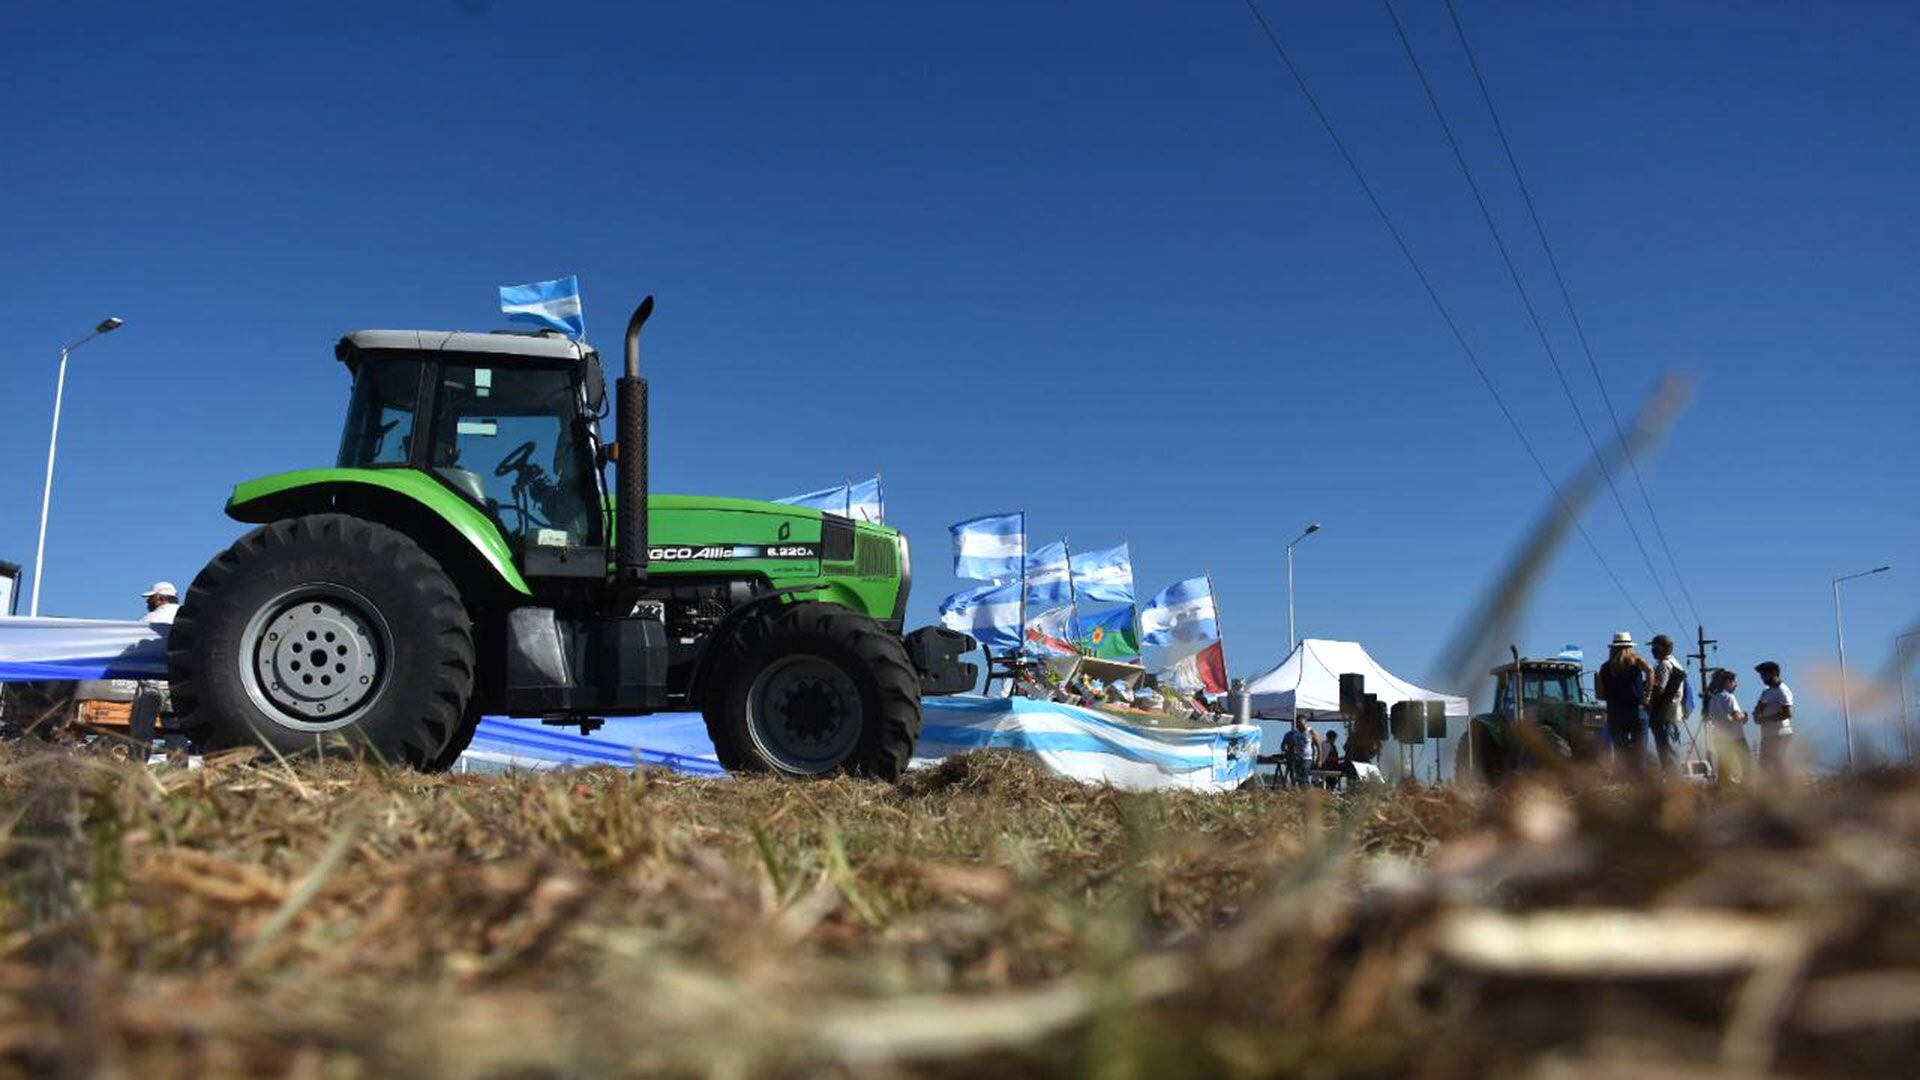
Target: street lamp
x,y
1840,641
107,326
1293,639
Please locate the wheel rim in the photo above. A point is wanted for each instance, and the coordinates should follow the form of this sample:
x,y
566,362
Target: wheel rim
x,y
313,658
803,714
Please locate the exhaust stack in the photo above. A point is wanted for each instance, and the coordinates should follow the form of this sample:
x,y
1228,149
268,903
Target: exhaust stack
x,y
630,506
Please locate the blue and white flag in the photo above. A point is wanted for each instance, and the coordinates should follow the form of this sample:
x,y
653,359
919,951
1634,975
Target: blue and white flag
x,y
1047,575
990,548
1181,612
553,303
1572,652
856,502
991,613
1104,576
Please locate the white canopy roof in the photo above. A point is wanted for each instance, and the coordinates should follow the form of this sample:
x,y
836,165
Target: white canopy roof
x,y
1309,681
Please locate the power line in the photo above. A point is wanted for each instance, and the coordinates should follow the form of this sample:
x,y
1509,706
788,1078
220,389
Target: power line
x,y
1566,295
1526,300
1439,305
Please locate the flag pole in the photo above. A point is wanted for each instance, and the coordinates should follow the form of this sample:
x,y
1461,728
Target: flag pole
x,y
1134,590
1073,598
1023,581
1219,627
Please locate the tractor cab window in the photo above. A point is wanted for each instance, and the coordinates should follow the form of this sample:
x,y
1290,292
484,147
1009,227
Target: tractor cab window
x,y
380,416
511,440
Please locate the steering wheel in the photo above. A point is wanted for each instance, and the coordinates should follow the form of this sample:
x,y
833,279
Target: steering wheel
x,y
519,459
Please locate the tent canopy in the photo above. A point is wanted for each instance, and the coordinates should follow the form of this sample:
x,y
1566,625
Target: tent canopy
x,y
1308,682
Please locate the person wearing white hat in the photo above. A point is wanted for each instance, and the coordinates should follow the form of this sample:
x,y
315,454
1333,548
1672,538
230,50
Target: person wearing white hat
x,y
1622,682
163,603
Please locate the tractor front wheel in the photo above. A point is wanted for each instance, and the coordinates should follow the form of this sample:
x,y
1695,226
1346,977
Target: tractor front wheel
x,y
326,633
811,689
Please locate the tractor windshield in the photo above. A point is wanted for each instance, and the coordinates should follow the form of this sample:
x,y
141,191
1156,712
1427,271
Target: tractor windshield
x,y
512,440
380,416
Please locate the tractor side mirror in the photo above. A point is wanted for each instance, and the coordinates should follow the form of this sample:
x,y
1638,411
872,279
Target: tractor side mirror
x,y
593,385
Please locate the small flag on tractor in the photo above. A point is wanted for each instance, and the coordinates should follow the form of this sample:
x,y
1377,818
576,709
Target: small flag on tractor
x,y
553,303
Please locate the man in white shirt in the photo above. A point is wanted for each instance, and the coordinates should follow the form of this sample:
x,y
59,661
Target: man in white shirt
x,y
1773,713
1663,702
163,602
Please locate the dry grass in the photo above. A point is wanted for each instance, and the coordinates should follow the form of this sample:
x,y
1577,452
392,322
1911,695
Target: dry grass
x,y
326,920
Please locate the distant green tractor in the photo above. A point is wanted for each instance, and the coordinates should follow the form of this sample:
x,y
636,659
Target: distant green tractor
x,y
1557,721
466,557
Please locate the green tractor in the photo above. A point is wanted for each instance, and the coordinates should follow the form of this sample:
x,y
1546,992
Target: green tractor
x,y
465,557
1557,721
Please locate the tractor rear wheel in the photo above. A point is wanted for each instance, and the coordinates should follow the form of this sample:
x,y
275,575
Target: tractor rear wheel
x,y
326,633
811,689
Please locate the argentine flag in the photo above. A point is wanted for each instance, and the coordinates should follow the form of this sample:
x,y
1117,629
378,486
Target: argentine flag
x,y
1047,575
553,303
990,548
1182,611
1104,576
863,501
991,613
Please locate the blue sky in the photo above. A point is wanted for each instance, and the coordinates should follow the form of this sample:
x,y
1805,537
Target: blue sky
x,y
1094,260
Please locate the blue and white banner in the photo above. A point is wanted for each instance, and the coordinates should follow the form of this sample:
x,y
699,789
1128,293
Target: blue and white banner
x,y
864,501
32,649
1104,576
991,613
1572,652
1048,579
991,548
1181,612
553,303
1090,746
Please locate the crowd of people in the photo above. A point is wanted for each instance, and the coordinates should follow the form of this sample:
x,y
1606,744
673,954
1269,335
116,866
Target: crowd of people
x,y
1647,702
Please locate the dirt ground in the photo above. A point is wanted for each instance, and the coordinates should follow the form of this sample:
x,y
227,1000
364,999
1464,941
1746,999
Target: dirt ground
x,y
335,920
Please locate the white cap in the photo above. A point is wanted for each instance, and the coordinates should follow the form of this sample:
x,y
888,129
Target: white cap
x,y
162,588
1622,638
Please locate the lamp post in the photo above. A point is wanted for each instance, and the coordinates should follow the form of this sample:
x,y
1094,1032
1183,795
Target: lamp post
x,y
1840,643
1293,639
106,326
1906,707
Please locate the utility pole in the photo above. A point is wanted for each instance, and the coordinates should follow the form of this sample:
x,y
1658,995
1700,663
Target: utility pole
x,y
1700,654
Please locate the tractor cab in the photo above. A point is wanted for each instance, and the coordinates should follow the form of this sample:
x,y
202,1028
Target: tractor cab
x,y
1540,683
507,422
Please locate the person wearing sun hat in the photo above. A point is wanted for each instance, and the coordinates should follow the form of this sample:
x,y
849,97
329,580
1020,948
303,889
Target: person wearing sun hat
x,y
1622,682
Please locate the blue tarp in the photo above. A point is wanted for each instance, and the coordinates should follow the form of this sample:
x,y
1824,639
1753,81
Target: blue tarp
x,y
1082,743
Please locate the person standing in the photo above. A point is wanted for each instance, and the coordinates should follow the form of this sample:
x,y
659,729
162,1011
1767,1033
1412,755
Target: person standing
x,y
1623,682
1296,751
163,603
1725,736
1330,758
1773,715
1664,696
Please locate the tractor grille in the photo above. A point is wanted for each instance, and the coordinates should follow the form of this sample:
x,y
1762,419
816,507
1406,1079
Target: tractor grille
x,y
875,557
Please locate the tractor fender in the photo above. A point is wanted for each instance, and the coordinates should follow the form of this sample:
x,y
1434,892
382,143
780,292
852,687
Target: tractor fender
x,y
696,682
455,532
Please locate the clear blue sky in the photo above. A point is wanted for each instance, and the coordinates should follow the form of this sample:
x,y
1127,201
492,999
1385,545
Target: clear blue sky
x,y
1094,260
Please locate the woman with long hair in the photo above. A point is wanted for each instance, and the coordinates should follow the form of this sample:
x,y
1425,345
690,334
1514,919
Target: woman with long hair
x,y
1623,682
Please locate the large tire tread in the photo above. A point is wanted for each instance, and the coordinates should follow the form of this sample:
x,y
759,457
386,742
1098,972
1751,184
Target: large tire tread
x,y
204,696
890,689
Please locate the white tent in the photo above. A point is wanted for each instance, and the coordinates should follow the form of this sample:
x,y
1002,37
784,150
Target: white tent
x,y
1309,681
